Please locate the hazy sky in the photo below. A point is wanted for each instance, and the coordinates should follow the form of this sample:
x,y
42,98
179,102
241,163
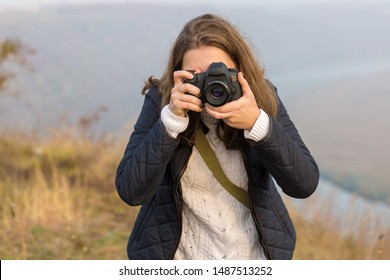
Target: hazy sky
x,y
31,4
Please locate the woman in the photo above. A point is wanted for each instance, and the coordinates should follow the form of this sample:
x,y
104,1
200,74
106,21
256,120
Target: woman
x,y
186,212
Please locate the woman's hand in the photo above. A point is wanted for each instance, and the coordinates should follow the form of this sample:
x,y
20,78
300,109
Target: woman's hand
x,y
241,113
181,102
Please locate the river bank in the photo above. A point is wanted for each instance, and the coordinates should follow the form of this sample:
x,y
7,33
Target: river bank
x,y
349,212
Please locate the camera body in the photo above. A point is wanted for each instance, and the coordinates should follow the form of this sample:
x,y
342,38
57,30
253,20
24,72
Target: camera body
x,y
218,85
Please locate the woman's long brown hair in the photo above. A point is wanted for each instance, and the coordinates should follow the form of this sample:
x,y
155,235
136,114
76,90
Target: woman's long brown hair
x,y
212,30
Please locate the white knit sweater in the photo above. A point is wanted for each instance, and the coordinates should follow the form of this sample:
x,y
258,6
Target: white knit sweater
x,y
215,224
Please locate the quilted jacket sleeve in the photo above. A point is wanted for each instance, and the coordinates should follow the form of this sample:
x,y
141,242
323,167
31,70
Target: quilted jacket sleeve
x,y
287,158
147,154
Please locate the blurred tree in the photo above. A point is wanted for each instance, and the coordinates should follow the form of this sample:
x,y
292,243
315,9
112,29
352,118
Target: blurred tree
x,y
12,51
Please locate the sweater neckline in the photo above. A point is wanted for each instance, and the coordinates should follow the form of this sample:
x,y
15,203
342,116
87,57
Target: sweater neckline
x,y
207,119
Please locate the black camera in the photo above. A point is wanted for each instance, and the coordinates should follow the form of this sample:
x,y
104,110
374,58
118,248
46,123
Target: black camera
x,y
218,85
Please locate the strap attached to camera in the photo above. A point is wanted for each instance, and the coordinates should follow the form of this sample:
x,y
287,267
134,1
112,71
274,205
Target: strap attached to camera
x,y
213,164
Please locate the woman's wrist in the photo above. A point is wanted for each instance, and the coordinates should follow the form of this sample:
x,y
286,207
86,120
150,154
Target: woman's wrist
x,y
259,129
173,124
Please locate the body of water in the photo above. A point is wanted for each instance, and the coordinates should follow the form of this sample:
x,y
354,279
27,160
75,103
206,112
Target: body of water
x,y
351,212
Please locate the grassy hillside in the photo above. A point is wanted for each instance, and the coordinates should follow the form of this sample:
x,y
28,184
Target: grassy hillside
x,y
58,201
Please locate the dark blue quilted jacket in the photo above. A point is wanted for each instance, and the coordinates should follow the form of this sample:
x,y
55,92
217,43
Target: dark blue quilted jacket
x,y
153,163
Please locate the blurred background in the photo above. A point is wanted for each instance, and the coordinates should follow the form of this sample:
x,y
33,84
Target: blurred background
x,y
71,73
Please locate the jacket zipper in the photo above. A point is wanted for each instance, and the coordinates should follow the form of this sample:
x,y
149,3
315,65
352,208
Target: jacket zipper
x,y
257,223
178,209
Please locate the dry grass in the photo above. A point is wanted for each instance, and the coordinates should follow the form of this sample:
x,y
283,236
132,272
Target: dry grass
x,y
58,201
318,241
324,236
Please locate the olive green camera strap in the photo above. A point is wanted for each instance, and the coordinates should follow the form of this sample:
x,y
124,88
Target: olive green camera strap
x,y
213,164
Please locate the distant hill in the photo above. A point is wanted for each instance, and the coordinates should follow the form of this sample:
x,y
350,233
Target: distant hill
x,y
89,56
347,127
323,59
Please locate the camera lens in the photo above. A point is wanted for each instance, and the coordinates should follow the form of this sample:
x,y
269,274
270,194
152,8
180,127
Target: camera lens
x,y
217,93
